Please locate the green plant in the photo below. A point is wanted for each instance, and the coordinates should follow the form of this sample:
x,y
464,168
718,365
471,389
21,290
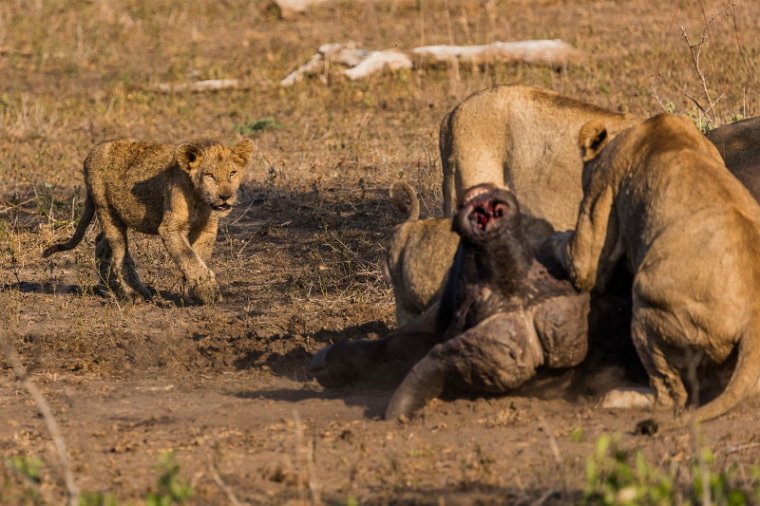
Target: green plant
x,y
97,499
615,476
170,487
254,126
24,489
611,478
28,467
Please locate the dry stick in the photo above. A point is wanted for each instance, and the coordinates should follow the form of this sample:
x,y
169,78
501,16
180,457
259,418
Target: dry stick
x,y
555,450
702,466
545,497
739,45
739,448
44,408
314,498
694,51
225,488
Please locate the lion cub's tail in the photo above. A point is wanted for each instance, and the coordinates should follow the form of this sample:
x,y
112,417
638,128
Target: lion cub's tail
x,y
413,207
84,222
745,379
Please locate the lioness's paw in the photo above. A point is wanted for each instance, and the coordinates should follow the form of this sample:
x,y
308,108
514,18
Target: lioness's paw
x,y
628,398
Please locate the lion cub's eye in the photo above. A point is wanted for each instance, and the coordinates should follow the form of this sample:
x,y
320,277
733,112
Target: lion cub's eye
x,y
233,173
209,174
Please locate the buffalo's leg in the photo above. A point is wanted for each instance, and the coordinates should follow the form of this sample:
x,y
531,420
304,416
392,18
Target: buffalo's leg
x,y
346,362
497,355
562,326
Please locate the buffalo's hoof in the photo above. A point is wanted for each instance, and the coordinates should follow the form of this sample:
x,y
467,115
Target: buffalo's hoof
x,y
332,366
423,383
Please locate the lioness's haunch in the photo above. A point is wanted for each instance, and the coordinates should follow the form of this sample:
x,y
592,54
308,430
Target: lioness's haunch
x,y
659,195
178,192
501,316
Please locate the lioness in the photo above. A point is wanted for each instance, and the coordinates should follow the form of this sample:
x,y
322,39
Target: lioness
x,y
659,194
524,138
419,254
178,192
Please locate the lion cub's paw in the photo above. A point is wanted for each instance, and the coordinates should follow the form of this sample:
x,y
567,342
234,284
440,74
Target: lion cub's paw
x,y
206,291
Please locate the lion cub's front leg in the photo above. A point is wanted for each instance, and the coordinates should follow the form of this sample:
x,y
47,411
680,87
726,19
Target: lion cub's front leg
x,y
174,231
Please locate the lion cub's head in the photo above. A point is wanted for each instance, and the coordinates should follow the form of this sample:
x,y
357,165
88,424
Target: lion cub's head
x,y
215,170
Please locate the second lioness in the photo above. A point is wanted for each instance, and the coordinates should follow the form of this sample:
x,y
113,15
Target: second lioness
x,y
178,192
659,195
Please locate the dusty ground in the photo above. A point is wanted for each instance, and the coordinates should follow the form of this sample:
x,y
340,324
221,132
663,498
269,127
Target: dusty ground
x,y
226,387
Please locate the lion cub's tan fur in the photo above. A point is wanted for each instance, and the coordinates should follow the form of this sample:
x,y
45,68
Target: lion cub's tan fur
x,y
178,192
523,138
419,255
660,195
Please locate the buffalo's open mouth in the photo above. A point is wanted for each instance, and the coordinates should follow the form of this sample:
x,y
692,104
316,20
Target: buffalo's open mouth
x,y
485,213
221,207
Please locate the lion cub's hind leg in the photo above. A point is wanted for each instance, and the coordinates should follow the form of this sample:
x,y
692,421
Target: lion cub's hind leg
x,y
103,262
118,268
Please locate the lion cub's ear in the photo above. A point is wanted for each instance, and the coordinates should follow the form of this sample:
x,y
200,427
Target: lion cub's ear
x,y
244,150
188,156
592,138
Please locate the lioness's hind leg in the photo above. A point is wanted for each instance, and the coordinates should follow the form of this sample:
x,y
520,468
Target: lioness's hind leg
x,y
663,376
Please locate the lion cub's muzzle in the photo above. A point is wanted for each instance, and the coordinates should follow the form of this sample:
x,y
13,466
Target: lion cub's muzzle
x,y
221,207
224,204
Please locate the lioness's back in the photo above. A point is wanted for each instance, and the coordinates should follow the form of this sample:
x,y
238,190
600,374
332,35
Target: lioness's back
x,y
524,138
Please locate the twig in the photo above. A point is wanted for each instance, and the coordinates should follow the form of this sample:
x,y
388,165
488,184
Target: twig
x,y
695,50
555,450
545,497
44,408
243,213
706,499
225,488
314,498
739,448
200,86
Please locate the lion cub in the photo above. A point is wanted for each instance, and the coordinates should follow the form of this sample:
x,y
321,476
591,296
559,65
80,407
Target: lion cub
x,y
178,192
419,255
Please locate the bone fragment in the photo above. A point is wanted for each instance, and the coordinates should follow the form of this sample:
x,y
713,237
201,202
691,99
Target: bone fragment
x,y
198,86
553,52
379,61
290,8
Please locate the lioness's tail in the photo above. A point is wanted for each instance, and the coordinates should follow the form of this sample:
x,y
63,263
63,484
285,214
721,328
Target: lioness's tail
x,y
413,208
744,380
84,222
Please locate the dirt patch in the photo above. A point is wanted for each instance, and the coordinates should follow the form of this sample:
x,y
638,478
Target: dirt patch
x,y
226,386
